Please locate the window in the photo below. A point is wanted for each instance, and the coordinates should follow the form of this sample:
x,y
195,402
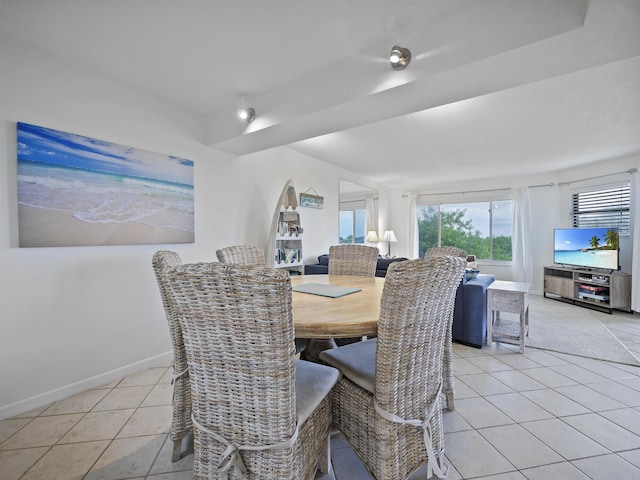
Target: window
x,y
353,228
482,229
604,206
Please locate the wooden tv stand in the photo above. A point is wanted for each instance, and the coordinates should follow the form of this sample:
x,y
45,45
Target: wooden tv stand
x,y
593,288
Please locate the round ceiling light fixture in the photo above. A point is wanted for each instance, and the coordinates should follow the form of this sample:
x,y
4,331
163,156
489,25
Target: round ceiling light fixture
x,y
399,57
247,114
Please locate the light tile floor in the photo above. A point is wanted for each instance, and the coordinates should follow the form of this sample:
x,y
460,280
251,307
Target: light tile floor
x,y
541,415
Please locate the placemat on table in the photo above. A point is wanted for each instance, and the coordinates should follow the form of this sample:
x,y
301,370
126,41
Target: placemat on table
x,y
333,291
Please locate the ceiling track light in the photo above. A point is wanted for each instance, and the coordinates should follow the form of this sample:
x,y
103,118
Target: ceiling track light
x,y
247,114
399,57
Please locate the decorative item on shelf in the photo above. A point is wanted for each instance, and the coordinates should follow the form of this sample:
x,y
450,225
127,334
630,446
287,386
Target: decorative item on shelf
x,y
593,292
286,229
290,216
471,273
288,256
311,201
289,199
389,237
472,267
372,237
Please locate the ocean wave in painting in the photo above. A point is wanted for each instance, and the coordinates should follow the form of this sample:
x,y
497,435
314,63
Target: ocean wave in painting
x,y
99,197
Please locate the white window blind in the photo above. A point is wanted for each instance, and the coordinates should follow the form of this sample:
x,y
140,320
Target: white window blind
x,y
606,206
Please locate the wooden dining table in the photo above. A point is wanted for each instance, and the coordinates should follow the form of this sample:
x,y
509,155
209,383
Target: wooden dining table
x,y
352,315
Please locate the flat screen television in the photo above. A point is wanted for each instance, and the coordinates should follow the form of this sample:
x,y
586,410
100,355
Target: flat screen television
x,y
587,247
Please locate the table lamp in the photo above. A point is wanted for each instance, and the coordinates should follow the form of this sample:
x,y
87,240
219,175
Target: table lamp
x,y
372,237
389,237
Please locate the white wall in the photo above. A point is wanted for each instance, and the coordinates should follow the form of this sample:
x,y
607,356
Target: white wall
x,y
72,318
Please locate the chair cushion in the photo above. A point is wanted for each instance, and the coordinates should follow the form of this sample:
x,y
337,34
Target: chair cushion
x,y
356,361
313,384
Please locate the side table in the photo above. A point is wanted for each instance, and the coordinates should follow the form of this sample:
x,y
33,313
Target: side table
x,y
508,297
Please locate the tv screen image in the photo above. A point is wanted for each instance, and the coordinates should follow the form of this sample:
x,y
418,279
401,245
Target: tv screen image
x,y
586,247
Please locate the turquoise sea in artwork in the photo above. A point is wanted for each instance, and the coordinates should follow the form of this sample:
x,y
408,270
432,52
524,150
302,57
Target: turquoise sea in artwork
x,y
99,197
607,259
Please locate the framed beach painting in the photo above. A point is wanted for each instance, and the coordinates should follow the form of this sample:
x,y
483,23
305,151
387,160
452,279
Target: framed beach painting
x,y
79,191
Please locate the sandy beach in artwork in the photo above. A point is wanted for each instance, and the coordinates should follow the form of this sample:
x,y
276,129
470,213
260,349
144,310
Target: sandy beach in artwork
x,y
39,227
605,253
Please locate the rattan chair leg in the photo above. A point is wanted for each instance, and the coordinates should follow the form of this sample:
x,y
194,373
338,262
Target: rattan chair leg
x,y
177,450
450,404
324,464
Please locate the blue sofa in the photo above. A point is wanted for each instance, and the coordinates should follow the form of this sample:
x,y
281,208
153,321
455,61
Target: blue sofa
x,y
470,311
322,267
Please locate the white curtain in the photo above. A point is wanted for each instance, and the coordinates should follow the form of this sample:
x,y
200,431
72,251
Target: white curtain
x,y
413,227
635,263
371,207
521,247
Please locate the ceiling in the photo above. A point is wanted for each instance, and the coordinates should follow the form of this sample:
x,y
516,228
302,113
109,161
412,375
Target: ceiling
x,y
494,87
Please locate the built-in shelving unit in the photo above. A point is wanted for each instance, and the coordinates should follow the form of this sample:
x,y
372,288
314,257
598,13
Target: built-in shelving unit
x,y
285,244
288,248
599,289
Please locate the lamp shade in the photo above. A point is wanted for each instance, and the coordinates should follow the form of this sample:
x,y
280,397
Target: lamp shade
x,y
372,237
389,236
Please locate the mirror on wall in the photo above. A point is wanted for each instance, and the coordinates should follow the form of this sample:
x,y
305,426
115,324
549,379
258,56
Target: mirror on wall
x,y
358,213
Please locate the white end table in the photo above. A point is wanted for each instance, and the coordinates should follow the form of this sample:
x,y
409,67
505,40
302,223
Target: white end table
x,y
508,297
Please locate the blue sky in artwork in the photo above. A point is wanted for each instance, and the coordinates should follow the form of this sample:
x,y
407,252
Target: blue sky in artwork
x,y
578,238
44,145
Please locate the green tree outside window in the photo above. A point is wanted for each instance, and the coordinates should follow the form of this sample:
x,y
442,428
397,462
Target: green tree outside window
x,y
453,225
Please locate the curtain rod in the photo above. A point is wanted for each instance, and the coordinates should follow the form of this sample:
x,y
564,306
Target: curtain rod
x,y
630,171
481,191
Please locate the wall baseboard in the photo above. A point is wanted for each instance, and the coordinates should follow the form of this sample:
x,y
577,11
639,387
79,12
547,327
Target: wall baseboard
x,y
42,399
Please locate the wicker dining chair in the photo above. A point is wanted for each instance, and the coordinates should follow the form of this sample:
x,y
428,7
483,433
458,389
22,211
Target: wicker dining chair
x,y
350,259
181,427
249,255
353,259
242,255
387,402
445,250
257,412
449,389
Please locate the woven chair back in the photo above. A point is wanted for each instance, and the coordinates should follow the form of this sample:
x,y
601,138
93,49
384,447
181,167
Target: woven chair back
x,y
238,333
417,303
163,261
241,255
358,260
450,251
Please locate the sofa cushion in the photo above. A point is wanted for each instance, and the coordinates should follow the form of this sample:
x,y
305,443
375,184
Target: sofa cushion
x,y
316,269
383,262
322,267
